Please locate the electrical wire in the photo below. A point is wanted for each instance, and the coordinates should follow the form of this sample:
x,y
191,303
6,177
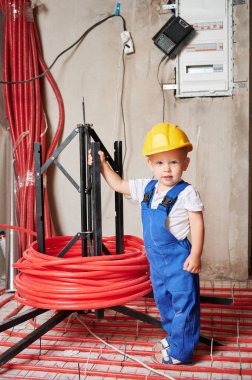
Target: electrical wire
x,y
119,103
124,353
78,41
7,226
161,86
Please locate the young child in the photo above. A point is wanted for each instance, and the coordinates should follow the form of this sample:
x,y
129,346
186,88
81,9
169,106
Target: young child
x,y
171,208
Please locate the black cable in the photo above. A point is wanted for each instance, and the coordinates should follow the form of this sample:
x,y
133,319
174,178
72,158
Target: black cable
x,y
80,39
161,85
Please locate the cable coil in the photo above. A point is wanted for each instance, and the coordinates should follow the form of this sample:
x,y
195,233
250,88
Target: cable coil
x,y
80,283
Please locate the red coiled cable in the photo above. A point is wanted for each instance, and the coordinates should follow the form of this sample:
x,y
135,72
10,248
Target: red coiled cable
x,y
80,283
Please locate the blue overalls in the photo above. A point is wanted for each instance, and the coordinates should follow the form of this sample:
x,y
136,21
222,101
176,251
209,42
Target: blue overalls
x,y
176,291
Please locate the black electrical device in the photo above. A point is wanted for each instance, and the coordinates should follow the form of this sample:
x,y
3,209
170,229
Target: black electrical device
x,y
173,36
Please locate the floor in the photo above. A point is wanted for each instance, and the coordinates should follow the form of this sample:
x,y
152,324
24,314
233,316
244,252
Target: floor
x,y
120,347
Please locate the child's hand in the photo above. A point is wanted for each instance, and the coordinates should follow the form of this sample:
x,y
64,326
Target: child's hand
x,y
192,264
90,158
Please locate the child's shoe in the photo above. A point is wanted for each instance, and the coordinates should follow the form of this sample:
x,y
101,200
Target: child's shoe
x,y
164,358
160,345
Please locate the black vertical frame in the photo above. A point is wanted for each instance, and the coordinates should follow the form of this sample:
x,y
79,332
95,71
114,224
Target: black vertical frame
x,y
96,200
83,186
119,231
96,208
39,198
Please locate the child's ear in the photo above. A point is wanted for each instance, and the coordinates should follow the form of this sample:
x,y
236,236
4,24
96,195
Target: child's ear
x,y
186,163
149,163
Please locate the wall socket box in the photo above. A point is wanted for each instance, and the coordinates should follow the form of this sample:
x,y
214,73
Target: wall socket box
x,y
204,67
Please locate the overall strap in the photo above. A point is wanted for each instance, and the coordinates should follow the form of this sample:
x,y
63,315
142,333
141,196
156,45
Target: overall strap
x,y
172,195
148,191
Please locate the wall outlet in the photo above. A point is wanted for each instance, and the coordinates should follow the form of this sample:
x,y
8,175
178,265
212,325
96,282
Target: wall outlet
x,y
127,42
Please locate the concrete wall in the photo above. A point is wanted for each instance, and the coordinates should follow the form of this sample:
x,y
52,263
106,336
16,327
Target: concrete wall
x,y
218,127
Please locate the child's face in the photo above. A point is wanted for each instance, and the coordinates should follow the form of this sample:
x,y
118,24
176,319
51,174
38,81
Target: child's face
x,y
168,167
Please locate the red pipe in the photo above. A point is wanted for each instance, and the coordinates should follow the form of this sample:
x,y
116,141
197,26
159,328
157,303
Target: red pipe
x,y
122,375
49,282
24,110
4,302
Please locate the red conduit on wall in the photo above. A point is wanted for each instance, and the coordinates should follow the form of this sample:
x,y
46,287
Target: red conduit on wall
x,y
24,109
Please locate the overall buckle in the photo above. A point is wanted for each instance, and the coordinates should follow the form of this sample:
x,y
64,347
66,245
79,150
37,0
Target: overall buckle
x,y
167,202
147,197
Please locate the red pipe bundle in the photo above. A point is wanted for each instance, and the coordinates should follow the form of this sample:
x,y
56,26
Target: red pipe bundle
x,y
81,283
24,108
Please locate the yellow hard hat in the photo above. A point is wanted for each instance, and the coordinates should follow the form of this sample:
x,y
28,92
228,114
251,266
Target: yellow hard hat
x,y
163,137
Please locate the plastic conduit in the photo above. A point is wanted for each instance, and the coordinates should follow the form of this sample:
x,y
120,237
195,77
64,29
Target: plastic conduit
x,y
79,283
24,109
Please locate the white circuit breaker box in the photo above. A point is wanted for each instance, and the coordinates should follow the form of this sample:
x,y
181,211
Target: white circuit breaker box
x,y
204,66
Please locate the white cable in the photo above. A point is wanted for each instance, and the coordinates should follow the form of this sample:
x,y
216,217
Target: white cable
x,y
115,132
124,353
86,364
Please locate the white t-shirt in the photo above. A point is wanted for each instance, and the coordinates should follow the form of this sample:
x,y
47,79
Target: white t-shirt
x,y
177,221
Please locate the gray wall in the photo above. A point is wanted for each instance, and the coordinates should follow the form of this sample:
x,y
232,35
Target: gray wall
x,y
218,127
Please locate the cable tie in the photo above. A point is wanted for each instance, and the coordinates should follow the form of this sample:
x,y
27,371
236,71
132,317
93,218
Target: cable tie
x,y
117,11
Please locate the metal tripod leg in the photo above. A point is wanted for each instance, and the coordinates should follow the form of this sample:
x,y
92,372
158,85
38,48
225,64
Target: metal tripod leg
x,y
20,318
155,322
32,337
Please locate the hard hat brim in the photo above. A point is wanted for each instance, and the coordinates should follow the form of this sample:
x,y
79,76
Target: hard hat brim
x,y
165,149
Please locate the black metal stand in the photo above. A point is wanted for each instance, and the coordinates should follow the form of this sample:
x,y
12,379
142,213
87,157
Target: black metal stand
x,y
91,229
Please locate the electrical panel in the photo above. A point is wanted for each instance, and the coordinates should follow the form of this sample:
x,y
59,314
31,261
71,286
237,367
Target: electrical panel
x,y
204,67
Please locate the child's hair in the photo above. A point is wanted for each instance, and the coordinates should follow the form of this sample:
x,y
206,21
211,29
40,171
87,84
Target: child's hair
x,y
185,150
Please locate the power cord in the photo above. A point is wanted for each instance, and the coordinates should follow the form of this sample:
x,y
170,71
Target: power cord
x,y
80,39
161,84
